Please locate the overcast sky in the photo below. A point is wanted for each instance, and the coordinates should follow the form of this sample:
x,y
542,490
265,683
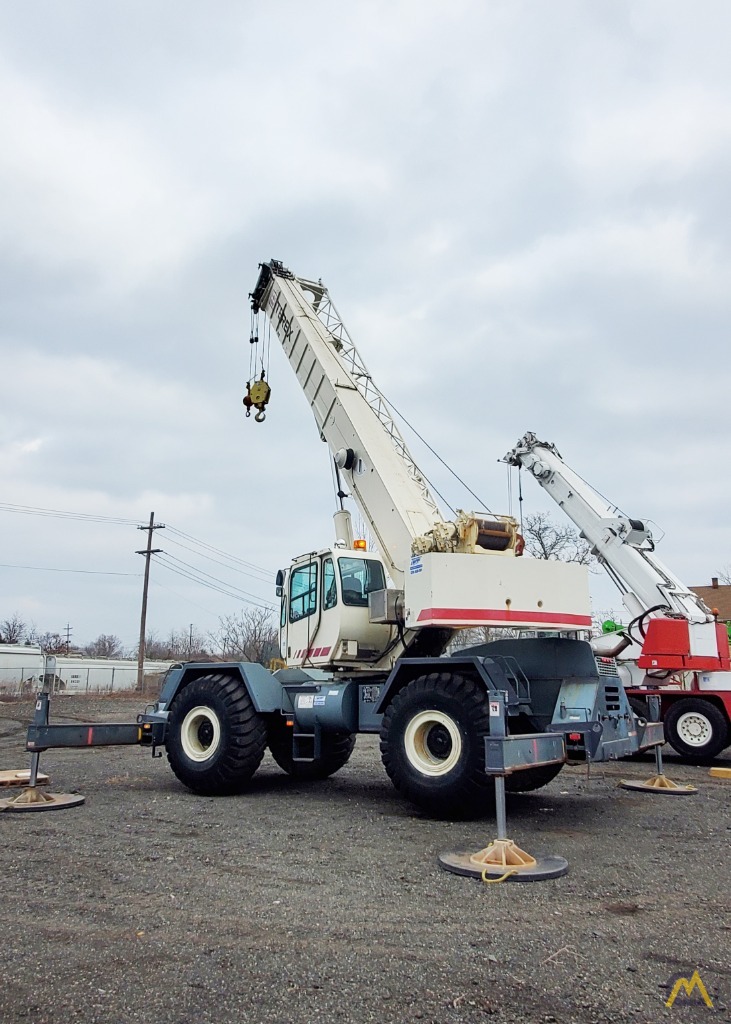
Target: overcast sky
x,y
521,210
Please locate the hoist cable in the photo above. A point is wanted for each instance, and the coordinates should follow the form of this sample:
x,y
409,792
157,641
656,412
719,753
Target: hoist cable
x,y
252,363
440,459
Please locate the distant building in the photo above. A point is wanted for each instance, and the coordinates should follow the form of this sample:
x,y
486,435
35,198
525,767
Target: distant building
x,y
717,596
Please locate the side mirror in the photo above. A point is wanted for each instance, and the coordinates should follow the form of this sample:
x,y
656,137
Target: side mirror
x,y
280,583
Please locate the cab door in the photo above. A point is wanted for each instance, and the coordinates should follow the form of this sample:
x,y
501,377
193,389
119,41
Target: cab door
x,y
299,611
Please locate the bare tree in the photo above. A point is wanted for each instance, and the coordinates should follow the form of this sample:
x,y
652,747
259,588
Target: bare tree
x,y
360,529
250,636
545,539
480,635
155,648
52,643
608,616
187,643
184,644
106,645
13,630
724,576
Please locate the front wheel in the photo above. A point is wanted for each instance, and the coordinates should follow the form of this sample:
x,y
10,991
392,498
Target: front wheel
x,y
433,744
696,729
215,738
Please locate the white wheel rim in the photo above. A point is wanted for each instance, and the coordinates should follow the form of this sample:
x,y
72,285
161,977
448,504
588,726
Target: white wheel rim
x,y
200,734
423,755
694,729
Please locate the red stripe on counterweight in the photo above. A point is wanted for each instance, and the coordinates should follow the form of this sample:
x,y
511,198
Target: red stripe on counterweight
x,y
503,615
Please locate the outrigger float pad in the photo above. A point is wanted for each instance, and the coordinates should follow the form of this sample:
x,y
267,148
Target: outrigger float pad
x,y
32,799
658,784
720,773
21,778
501,861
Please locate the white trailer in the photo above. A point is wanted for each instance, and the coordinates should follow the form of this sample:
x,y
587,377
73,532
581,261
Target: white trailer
x,y
101,675
21,668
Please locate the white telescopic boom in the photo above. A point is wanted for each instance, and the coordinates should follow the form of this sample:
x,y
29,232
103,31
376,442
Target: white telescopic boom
x,y
623,545
351,414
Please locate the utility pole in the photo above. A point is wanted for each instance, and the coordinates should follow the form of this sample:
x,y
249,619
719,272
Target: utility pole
x,y
148,552
190,641
69,631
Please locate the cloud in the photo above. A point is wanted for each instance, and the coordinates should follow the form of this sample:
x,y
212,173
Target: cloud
x,y
89,189
520,210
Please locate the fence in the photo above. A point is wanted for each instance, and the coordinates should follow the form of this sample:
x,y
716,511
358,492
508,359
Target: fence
x,y
21,674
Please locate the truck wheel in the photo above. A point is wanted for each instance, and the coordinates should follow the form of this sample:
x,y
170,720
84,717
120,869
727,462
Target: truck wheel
x,y
335,751
432,744
696,729
215,739
639,707
529,779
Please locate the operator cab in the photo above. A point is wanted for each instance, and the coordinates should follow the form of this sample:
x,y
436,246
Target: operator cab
x,y
324,616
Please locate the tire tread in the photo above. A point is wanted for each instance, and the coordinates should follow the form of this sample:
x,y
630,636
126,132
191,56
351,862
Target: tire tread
x,y
244,729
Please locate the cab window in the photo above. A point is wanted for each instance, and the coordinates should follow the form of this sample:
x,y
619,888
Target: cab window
x,y
358,577
303,592
329,590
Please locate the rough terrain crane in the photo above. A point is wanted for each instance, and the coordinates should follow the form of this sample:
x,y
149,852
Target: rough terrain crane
x,y
363,633
674,646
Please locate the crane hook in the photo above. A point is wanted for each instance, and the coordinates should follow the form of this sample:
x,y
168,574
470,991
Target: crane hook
x,y
257,396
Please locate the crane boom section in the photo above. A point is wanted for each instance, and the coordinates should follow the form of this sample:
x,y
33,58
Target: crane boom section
x,y
351,414
624,545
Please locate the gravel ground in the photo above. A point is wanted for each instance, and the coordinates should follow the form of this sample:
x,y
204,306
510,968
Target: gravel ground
x,y
323,902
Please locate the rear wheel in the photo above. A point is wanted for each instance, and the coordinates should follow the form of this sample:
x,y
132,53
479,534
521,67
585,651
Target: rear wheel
x,y
335,751
432,744
215,738
696,729
529,779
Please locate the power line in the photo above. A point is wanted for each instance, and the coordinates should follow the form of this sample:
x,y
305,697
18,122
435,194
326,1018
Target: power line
x,y
259,602
55,513
215,579
438,456
218,551
183,597
227,565
87,572
232,561
211,586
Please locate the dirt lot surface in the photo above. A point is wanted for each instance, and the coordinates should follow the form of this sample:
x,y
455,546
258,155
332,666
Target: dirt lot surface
x,y
323,902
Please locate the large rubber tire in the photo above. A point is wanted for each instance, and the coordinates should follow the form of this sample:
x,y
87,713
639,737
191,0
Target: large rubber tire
x,y
639,707
532,778
696,729
215,739
432,745
335,751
